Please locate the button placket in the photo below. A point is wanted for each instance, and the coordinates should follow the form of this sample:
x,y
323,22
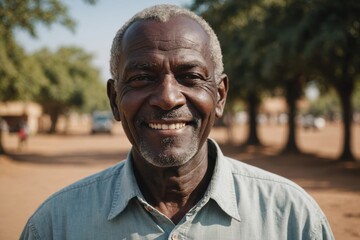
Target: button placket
x,y
148,208
174,236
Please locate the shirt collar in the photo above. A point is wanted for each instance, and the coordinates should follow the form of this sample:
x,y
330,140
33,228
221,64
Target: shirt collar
x,y
221,188
126,188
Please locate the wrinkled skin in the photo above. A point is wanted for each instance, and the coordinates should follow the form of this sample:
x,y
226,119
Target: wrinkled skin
x,y
167,100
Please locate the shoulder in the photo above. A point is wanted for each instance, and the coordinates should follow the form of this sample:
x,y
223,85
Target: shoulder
x,y
89,188
263,180
74,204
94,180
277,198
245,171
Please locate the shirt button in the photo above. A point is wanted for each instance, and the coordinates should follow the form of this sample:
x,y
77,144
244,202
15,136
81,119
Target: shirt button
x,y
174,237
148,208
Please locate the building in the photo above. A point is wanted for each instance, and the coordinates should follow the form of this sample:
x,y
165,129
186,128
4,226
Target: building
x,y
16,113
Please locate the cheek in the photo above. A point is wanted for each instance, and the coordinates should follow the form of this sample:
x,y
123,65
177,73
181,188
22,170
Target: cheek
x,y
130,104
204,101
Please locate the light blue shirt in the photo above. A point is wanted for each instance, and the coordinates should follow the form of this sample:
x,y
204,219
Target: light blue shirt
x,y
241,202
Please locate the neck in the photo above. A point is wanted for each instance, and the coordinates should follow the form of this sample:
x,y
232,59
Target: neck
x,y
175,190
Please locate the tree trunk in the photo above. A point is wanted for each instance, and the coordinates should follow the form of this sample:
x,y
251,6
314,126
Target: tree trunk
x,y
253,104
2,150
229,124
292,93
345,92
67,124
54,116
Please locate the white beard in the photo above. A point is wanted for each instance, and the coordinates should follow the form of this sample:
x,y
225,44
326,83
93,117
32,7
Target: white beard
x,y
173,159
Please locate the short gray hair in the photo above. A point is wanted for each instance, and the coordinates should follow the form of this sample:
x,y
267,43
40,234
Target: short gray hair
x,y
163,13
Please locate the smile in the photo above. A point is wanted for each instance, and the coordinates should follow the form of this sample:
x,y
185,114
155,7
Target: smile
x,y
163,126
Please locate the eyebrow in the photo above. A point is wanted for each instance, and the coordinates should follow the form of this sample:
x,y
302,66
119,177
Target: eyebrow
x,y
140,66
189,65
180,67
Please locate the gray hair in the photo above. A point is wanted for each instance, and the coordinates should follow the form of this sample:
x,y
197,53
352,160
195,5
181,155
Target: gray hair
x,y
163,13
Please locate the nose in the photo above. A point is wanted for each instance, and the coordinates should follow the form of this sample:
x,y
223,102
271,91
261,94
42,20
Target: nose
x,y
168,94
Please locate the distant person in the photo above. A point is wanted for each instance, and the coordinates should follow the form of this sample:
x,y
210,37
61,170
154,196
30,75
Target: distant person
x,y
168,88
23,135
3,125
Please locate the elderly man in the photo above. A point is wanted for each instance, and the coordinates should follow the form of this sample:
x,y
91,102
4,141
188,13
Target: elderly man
x,y
168,88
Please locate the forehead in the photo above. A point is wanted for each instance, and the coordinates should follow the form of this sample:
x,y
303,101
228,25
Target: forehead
x,y
177,33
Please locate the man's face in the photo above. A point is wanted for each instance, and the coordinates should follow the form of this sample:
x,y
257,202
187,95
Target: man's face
x,y
167,96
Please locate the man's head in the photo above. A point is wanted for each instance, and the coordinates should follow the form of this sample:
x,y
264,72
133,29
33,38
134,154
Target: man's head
x,y
163,13
169,90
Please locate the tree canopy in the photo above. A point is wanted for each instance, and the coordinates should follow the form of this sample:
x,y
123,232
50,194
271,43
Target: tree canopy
x,y
71,82
18,73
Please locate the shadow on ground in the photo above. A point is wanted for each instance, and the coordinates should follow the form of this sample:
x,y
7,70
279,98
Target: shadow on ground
x,y
74,158
309,170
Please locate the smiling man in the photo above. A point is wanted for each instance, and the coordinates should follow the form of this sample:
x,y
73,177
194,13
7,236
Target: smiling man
x,y
168,88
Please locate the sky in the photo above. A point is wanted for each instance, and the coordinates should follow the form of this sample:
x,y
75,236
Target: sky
x,y
95,30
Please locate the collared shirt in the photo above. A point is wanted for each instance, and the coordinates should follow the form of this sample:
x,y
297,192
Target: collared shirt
x,y
241,202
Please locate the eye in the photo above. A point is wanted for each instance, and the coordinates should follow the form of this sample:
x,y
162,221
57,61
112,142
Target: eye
x,y
189,78
139,81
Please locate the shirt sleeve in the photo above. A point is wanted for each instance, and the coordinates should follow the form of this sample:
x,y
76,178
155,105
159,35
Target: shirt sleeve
x,y
29,232
325,232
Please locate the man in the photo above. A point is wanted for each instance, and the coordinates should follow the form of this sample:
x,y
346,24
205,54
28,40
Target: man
x,y
167,89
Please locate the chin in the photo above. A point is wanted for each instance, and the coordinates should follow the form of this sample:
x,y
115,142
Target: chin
x,y
170,157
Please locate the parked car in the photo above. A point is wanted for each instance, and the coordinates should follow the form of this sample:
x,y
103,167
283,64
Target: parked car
x,y
101,122
312,122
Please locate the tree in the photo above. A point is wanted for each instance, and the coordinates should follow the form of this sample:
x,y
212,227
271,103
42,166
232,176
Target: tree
x,y
24,15
282,62
332,49
20,76
356,98
71,82
15,65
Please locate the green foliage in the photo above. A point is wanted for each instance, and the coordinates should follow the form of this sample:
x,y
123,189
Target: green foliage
x,y
256,38
333,41
356,97
269,42
54,79
20,74
228,24
72,81
25,14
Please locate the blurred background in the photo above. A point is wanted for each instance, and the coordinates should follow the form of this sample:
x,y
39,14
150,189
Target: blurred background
x,y
293,106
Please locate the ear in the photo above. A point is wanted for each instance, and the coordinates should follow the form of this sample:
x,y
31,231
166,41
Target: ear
x,y
112,95
222,90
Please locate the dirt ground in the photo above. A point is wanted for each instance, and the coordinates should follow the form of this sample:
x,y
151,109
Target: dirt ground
x,y
48,163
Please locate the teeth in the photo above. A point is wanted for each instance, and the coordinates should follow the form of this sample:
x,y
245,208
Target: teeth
x,y
167,126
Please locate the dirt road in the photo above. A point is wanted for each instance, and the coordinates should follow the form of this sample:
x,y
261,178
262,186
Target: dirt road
x,y
49,163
